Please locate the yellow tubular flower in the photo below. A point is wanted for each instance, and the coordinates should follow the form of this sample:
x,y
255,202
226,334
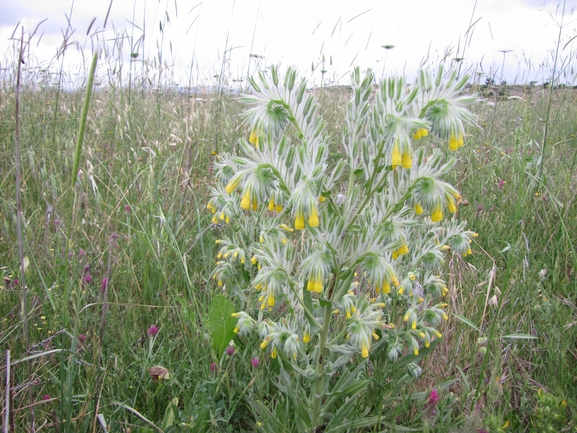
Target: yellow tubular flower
x,y
322,199
421,132
232,185
418,209
318,286
264,343
396,157
300,221
245,202
314,217
271,299
306,337
364,350
253,138
404,249
271,205
456,142
386,287
254,205
407,161
415,351
278,208
437,214
273,353
311,285
451,204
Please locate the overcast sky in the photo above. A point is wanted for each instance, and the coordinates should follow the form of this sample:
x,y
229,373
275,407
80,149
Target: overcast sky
x,y
203,38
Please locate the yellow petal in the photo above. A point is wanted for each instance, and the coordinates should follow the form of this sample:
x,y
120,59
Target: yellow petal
x,y
232,185
418,209
300,221
253,138
245,202
396,157
407,160
314,217
364,350
386,287
451,204
454,142
318,287
437,214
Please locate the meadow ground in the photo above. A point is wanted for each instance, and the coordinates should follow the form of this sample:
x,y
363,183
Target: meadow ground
x,y
135,230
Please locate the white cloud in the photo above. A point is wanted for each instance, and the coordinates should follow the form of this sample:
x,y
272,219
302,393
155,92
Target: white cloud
x,y
303,32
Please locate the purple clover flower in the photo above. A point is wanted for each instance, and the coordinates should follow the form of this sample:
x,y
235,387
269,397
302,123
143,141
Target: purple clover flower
x,y
153,330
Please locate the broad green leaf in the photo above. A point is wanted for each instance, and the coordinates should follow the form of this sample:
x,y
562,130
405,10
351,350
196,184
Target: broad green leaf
x,y
520,336
221,323
467,322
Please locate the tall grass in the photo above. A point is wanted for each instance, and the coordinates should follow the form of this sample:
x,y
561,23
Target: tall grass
x,y
131,245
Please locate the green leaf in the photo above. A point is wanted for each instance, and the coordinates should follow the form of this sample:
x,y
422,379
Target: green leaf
x,y
221,323
520,336
467,322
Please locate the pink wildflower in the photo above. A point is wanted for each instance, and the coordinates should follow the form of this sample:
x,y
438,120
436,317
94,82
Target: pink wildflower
x,y
153,330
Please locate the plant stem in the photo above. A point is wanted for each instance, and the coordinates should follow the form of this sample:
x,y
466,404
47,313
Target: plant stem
x,y
318,386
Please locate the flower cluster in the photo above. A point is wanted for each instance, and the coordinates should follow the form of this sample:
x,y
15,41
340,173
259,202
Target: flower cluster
x,y
335,261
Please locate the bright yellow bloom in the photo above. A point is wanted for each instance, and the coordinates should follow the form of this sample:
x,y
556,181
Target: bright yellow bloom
x,y
415,351
306,337
418,209
456,142
314,217
271,299
386,287
414,325
403,249
407,160
273,353
451,204
396,157
318,286
278,208
311,285
271,205
437,214
421,132
322,199
300,221
254,205
253,260
264,343
364,350
253,138
232,184
245,202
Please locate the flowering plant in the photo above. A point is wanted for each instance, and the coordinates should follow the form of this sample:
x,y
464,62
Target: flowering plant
x,y
333,265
